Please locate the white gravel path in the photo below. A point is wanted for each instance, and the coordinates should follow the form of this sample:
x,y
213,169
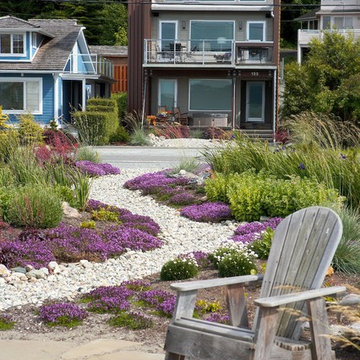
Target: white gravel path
x,y
179,235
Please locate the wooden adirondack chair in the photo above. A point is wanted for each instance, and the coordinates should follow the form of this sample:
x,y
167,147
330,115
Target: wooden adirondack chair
x,y
303,247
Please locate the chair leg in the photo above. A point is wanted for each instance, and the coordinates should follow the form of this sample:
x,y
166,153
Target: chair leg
x,y
319,327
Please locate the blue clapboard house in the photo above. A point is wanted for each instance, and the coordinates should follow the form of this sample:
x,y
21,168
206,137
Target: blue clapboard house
x,y
46,69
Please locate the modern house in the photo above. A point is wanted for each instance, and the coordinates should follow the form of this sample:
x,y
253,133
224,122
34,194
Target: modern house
x,y
216,60
46,68
118,55
342,16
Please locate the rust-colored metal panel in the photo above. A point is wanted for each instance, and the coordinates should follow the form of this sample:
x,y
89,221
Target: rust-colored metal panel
x,y
139,28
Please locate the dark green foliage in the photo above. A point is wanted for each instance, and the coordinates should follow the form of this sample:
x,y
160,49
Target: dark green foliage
x,y
237,264
121,99
262,246
131,321
328,82
120,136
35,206
179,269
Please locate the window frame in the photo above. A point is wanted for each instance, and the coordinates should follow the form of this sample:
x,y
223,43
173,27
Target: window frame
x,y
262,119
175,92
24,80
12,54
208,110
248,23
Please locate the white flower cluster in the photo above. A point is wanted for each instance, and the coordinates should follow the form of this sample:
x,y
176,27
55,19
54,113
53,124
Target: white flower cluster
x,y
188,258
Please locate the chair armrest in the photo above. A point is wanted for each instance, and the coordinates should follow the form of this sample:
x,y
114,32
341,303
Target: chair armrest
x,y
275,301
203,284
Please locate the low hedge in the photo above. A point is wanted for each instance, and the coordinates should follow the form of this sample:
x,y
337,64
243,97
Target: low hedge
x,y
121,100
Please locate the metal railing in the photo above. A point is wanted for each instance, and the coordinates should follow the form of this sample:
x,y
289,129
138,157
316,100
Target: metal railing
x,y
206,52
90,64
306,35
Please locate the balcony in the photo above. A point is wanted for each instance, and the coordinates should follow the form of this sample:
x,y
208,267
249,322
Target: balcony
x,y
218,53
305,36
91,64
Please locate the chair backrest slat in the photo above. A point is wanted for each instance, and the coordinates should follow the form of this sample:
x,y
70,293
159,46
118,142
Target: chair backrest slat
x,y
303,247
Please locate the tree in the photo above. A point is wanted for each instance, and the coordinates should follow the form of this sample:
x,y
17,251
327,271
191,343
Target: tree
x,y
328,82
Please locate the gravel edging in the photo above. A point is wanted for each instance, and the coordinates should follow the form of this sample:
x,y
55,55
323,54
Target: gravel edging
x,y
179,235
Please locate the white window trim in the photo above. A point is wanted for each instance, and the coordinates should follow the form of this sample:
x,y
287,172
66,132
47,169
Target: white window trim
x,y
262,119
211,21
160,32
24,80
12,54
205,110
248,23
175,92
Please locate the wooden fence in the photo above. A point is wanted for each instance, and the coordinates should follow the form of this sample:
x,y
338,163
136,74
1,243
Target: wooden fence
x,y
120,75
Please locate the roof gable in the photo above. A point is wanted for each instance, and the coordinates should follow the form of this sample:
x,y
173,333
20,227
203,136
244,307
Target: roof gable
x,y
11,22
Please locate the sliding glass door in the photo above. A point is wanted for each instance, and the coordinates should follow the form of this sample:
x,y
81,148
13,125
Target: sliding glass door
x,y
255,101
168,34
167,96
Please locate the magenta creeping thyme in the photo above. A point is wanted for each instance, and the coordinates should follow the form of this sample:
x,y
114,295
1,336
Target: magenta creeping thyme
x,y
93,169
219,318
182,198
207,212
163,301
61,313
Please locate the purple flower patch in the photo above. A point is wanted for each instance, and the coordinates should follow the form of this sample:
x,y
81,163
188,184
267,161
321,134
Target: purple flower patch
x,y
61,313
161,300
219,318
207,212
182,198
93,169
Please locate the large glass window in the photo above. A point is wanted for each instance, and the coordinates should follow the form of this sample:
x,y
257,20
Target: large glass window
x,y
211,35
326,22
343,22
210,94
18,95
256,31
167,93
11,43
255,101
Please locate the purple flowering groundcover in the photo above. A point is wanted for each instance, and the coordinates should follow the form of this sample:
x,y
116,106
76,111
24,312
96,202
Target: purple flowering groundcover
x,y
93,169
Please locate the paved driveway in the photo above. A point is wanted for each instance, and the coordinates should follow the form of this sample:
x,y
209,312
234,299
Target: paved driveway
x,y
145,157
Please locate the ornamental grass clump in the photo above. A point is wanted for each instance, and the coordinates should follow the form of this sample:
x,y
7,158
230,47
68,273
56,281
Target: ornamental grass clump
x,y
207,212
62,314
35,206
179,269
132,321
6,323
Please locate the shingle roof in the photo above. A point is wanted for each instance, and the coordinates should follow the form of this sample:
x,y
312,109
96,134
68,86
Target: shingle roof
x,y
11,22
53,52
311,15
106,50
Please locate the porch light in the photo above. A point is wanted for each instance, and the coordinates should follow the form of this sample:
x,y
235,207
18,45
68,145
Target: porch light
x,y
240,25
183,24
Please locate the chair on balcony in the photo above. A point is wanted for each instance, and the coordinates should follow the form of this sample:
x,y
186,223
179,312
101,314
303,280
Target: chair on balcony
x,y
181,118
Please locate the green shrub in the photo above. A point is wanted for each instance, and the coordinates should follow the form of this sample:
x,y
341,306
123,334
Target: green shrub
x,y
30,132
91,224
95,128
216,256
121,135
262,246
179,269
104,215
237,264
121,100
65,194
132,321
6,323
347,256
87,153
216,189
139,137
35,206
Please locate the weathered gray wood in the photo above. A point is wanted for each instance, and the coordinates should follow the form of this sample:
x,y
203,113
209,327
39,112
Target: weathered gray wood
x,y
237,305
185,304
303,247
205,284
172,356
275,301
215,328
321,349
265,335
196,344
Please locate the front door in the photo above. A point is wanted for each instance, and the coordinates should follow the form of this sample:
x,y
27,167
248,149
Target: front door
x,y
255,101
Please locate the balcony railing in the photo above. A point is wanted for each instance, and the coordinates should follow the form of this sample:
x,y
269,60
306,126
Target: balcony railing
x,y
90,64
220,52
305,36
